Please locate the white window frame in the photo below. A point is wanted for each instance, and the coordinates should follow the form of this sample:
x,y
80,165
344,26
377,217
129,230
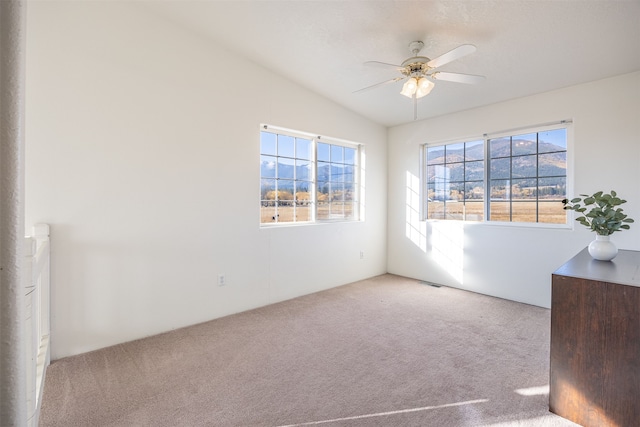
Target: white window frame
x,y
358,177
562,124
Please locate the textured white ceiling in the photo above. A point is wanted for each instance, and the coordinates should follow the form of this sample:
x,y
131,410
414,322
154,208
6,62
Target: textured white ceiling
x,y
524,47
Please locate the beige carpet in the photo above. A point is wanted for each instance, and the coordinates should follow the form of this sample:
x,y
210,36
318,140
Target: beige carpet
x,y
386,351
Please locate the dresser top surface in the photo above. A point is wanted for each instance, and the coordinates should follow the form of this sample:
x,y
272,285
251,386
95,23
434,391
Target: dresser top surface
x,y
624,269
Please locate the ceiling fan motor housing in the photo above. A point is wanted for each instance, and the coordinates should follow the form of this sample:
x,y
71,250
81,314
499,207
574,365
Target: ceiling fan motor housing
x,y
416,66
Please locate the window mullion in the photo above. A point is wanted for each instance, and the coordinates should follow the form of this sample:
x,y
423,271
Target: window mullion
x,y
487,180
314,177
510,179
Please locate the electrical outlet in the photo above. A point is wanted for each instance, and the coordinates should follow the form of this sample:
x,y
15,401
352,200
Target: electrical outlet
x,y
222,280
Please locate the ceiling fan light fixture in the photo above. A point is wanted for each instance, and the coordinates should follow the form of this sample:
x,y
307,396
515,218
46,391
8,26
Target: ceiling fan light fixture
x,y
409,87
424,87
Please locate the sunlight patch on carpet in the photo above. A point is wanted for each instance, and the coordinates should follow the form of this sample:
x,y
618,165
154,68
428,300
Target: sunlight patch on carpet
x,y
384,414
533,391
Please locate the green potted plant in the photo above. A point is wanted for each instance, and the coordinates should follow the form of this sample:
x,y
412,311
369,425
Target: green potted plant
x,y
601,213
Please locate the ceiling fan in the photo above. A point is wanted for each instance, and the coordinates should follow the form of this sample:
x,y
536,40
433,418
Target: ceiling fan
x,y
418,71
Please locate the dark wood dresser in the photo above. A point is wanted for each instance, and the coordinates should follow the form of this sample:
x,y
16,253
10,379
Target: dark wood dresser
x,y
595,341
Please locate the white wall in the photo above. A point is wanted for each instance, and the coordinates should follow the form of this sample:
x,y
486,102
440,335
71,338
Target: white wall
x,y
143,155
517,262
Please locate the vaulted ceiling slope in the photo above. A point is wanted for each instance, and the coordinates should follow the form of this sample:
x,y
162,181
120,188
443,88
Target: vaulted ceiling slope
x,y
523,47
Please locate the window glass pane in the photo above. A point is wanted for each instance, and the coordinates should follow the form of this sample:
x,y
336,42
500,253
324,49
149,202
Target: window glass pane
x,y
349,211
285,146
286,188
456,192
499,147
435,155
303,148
303,213
323,207
553,140
267,189
303,194
499,207
285,210
435,209
474,171
500,211
337,209
500,168
268,213
303,169
267,143
524,189
268,166
349,191
337,173
431,191
350,155
552,164
551,212
500,190
441,181
523,166
337,192
323,152
523,144
348,174
474,201
474,190
324,171
455,152
324,187
431,173
337,154
286,168
474,150
454,210
474,210
524,211
456,171
552,188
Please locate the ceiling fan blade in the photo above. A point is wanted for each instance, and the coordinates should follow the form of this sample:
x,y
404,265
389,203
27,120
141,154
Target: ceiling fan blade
x,y
457,77
452,55
382,65
397,79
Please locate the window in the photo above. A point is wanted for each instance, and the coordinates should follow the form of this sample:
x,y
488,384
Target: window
x,y
336,181
512,178
455,181
305,179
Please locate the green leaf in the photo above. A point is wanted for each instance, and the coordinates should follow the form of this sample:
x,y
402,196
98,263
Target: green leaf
x,y
605,218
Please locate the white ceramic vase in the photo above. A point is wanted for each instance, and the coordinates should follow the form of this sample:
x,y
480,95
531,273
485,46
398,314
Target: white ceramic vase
x,y
602,248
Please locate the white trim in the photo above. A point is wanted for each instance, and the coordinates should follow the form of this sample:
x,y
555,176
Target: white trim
x,y
313,136
543,127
